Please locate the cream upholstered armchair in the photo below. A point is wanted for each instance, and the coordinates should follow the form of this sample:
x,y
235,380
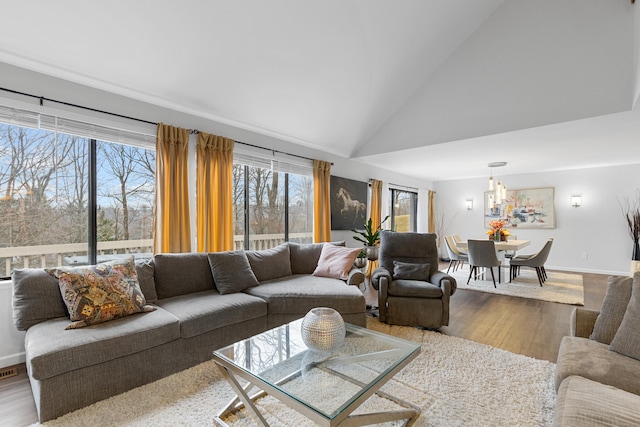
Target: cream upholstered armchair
x,y
411,290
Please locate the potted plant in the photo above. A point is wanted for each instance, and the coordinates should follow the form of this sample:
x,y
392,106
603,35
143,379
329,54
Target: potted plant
x,y
631,212
370,237
361,259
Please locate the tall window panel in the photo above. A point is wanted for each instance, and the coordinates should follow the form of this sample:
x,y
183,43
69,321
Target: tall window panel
x,y
125,200
46,196
404,210
300,197
272,202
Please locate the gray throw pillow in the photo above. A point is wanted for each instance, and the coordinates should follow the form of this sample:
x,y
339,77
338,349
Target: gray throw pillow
x,y
271,263
144,268
231,271
627,339
411,271
613,308
36,297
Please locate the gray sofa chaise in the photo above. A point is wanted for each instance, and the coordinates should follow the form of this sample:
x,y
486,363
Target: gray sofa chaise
x,y
598,367
70,369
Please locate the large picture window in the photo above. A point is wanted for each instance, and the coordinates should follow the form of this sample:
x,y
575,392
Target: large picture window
x,y
404,210
47,199
272,202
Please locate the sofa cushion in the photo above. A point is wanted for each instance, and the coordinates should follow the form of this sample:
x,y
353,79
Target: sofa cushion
x,y
180,274
627,338
100,293
205,311
231,271
591,359
613,308
271,263
305,256
79,348
411,270
144,268
336,261
298,294
582,403
36,297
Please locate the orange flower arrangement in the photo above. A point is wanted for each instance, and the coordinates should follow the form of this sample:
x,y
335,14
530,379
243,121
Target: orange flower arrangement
x,y
497,226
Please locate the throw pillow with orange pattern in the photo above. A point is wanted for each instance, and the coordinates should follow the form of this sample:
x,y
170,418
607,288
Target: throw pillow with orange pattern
x,y
99,293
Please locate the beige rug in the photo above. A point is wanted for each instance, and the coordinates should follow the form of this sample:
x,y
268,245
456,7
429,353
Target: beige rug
x,y
455,382
559,287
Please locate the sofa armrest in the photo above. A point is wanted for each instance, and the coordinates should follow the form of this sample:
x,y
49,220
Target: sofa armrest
x,y
439,278
378,274
582,322
356,277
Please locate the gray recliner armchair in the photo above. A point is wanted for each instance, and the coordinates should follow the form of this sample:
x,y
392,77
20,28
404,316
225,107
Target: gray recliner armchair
x,y
411,289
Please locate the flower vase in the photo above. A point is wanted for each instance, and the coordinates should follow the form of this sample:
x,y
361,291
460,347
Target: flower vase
x,y
635,256
497,235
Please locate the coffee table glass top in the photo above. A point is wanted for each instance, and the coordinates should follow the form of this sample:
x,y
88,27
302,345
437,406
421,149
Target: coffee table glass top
x,y
325,382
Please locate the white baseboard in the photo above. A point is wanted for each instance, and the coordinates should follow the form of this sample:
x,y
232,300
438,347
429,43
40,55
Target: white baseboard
x,y
12,359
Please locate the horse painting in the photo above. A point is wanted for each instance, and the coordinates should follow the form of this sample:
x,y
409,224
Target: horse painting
x,y
348,203
352,209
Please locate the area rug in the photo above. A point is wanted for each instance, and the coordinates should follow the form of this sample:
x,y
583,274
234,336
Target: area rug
x,y
455,382
559,287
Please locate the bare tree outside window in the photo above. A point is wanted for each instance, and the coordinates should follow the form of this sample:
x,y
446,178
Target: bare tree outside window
x,y
44,197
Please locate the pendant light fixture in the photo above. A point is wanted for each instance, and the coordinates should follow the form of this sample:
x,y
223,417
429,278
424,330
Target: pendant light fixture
x,y
499,190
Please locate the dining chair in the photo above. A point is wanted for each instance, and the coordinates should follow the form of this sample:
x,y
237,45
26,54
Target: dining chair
x,y
482,254
457,238
511,254
456,257
536,261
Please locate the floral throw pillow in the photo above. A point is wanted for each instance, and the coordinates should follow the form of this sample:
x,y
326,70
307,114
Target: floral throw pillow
x,y
99,293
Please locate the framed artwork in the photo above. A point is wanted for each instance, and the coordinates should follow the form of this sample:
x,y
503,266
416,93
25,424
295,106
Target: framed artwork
x,y
348,203
528,208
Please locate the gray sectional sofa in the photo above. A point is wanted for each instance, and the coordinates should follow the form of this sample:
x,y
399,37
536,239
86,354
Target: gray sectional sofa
x,y
598,367
70,369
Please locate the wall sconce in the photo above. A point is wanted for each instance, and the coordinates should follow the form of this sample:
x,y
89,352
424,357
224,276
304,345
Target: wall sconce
x,y
576,201
469,204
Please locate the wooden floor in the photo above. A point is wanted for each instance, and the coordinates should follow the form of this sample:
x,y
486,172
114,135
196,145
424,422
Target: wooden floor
x,y
529,327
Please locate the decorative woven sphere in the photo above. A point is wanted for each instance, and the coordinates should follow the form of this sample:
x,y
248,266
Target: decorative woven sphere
x,y
323,329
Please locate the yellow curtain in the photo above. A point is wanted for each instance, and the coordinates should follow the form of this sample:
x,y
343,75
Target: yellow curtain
x,y
214,205
376,215
172,227
321,201
432,213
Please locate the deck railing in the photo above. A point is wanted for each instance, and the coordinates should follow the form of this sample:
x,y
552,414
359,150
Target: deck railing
x,y
75,253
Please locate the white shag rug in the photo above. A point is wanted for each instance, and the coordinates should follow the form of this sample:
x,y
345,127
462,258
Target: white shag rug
x,y
455,382
559,287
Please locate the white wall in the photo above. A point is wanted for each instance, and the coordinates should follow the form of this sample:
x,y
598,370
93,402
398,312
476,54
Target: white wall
x,y
597,228
12,348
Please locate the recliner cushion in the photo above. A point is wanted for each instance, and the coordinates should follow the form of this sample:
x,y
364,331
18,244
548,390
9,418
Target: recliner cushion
x,y
411,270
414,288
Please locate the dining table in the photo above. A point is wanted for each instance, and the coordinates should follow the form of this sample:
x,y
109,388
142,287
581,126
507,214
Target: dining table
x,y
508,245
512,245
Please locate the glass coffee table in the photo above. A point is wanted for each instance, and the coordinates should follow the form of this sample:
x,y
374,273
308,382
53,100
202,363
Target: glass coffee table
x,y
326,387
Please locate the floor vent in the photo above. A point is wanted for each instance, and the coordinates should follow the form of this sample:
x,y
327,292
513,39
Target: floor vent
x,y
8,372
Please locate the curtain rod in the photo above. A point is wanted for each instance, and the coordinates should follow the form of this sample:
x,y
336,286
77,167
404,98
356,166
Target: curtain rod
x,y
191,131
403,186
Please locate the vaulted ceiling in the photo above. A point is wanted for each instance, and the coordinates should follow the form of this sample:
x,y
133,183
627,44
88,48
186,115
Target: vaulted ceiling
x,y
434,89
